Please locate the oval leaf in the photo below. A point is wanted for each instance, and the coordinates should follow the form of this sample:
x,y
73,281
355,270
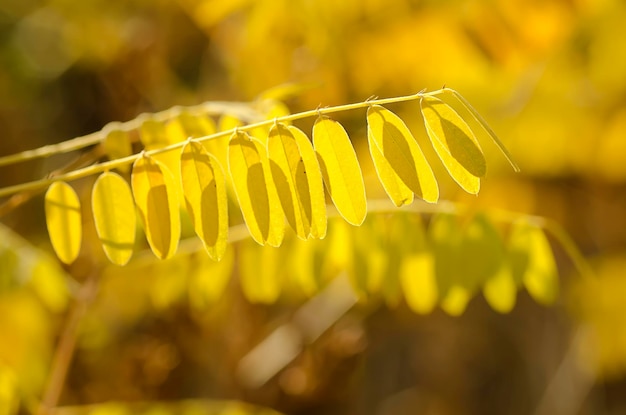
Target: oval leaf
x,y
340,169
398,147
467,112
250,172
417,276
155,195
533,262
397,191
288,173
63,218
317,216
204,187
114,216
117,145
454,143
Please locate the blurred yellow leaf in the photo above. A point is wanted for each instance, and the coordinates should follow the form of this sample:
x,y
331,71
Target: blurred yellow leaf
x,y
340,169
533,261
204,189
208,279
63,218
417,276
114,216
454,143
155,195
117,145
251,177
261,272
500,290
397,145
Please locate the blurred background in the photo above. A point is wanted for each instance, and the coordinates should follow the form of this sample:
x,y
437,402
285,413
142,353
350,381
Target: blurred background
x,y
548,75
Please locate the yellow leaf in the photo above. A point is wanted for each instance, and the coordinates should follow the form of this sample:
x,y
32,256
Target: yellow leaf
x,y
533,262
317,216
468,113
208,279
455,143
289,176
204,189
340,169
261,272
404,158
63,218
187,125
500,290
117,145
250,172
114,216
153,134
397,191
417,275
155,195
229,122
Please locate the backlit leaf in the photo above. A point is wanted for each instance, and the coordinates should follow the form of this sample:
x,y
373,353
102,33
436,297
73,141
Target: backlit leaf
x,y
250,172
154,191
473,117
417,275
117,145
398,147
187,125
288,172
532,261
204,189
114,216
63,218
397,191
500,290
455,143
153,134
261,272
317,218
208,279
340,169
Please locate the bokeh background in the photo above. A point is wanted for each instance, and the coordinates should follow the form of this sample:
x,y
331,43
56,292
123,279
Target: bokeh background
x,y
549,76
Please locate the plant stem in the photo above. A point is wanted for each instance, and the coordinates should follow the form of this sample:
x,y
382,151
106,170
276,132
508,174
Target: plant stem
x,y
67,345
101,167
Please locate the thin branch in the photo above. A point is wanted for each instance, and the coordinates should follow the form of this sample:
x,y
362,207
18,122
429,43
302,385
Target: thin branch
x,y
101,167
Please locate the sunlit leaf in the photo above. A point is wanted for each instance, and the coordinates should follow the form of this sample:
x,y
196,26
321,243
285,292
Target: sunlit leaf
x,y
114,216
154,191
63,218
340,169
398,147
251,177
397,191
445,237
290,177
500,290
261,272
455,143
417,276
533,262
315,187
153,134
208,279
204,189
473,117
117,145
186,125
